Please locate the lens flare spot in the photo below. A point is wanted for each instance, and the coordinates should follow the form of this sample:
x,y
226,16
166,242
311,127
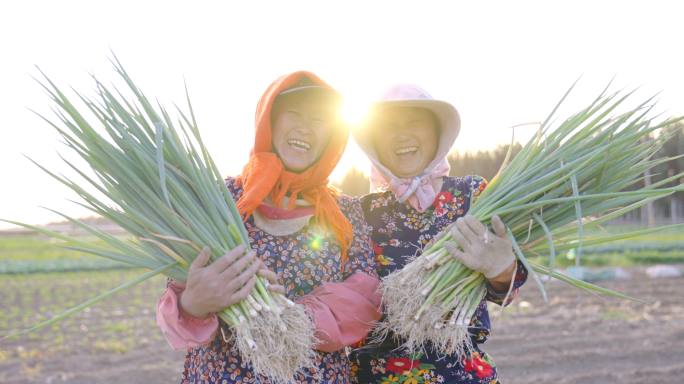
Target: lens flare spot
x,y
354,112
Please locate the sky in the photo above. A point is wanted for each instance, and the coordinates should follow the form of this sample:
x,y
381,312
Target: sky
x,y
499,63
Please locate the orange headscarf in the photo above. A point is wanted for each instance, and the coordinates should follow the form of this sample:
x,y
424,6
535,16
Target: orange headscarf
x,y
264,173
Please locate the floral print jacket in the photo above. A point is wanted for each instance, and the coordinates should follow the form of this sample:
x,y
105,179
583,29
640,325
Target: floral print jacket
x,y
399,232
303,261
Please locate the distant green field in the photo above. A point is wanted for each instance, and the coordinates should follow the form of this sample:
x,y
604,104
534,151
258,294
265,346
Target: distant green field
x,y
663,247
39,254
35,254
40,248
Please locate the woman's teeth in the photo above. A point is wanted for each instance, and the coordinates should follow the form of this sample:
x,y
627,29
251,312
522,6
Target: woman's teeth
x,y
299,144
406,150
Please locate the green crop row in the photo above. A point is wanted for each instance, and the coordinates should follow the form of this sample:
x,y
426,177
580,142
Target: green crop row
x,y
37,254
635,247
84,263
614,259
39,248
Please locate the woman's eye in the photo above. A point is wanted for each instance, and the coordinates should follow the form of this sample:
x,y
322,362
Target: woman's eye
x,y
293,113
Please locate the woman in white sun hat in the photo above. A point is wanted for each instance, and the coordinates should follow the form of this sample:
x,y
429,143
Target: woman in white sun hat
x,y
407,136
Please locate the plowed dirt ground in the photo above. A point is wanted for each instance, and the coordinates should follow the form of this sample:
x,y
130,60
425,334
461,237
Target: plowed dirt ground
x,y
576,338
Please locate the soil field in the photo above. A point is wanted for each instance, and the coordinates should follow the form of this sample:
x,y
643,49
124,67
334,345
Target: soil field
x,y
114,341
585,340
579,338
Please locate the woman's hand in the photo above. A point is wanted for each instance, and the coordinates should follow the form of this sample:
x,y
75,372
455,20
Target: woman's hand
x,y
271,277
214,287
483,251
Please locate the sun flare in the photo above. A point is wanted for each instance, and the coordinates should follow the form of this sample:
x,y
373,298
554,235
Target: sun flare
x,y
353,112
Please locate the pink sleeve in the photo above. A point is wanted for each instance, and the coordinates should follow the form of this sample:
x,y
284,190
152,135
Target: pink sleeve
x,y
344,312
181,330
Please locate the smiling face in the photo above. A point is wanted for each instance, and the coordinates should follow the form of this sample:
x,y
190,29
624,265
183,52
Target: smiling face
x,y
406,139
301,128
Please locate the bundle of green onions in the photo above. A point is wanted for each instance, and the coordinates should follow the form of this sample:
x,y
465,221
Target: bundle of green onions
x,y
577,171
171,197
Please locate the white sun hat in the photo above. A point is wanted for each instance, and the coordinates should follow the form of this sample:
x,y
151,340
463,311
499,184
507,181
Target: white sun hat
x,y
409,95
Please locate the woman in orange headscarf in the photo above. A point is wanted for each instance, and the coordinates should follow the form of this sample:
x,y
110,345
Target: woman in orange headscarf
x,y
304,233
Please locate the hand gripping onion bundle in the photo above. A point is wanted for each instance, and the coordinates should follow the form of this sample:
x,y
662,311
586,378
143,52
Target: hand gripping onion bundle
x,y
171,197
562,176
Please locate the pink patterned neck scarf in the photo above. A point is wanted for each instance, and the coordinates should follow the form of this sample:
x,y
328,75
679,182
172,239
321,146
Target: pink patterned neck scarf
x,y
417,189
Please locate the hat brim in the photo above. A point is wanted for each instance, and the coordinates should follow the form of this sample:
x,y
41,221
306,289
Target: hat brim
x,y
447,115
314,88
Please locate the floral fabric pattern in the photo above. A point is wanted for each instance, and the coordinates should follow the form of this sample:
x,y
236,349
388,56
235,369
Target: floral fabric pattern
x,y
391,368
303,261
399,232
